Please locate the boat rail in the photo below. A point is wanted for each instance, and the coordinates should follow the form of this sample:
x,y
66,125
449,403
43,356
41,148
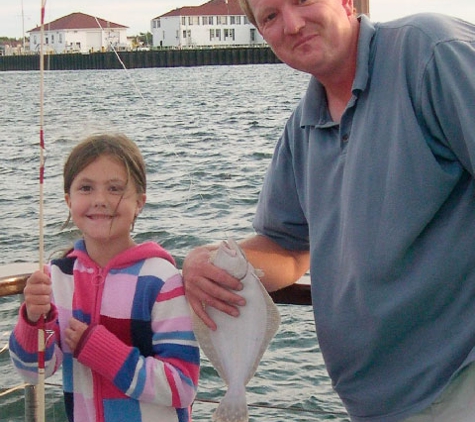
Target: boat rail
x,y
13,280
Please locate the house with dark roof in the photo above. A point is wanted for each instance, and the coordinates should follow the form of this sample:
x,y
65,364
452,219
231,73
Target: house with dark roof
x,y
212,24
79,33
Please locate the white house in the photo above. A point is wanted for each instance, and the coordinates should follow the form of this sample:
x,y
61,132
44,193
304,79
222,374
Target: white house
x,y
79,33
213,24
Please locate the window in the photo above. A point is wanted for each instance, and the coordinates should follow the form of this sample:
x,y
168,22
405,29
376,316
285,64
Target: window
x,y
253,34
193,20
183,20
211,34
229,34
235,20
246,20
222,20
52,38
60,36
218,34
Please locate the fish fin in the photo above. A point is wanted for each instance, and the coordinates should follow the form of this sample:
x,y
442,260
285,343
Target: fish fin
x,y
232,408
272,326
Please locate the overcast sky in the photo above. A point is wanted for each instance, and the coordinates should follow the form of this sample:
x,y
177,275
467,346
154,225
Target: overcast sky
x,y
138,13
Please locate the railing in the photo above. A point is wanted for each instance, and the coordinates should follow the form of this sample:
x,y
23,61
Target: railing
x,y
13,279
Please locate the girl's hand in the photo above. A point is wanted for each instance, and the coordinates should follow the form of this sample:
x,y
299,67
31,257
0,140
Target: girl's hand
x,y
37,295
74,333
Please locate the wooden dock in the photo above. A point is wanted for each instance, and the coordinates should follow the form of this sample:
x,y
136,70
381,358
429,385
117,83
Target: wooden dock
x,y
143,59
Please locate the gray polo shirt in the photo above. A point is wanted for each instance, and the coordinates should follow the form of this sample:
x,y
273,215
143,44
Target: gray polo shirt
x,y
385,201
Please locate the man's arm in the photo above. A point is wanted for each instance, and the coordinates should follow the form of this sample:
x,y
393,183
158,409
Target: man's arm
x,y
281,267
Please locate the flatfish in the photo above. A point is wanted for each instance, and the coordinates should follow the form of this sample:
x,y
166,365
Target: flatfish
x,y
236,347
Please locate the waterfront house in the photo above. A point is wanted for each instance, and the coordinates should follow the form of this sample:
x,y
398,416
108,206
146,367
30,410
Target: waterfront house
x,y
217,23
11,47
79,33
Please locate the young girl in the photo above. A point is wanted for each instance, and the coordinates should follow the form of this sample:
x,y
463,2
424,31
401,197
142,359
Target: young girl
x,y
120,322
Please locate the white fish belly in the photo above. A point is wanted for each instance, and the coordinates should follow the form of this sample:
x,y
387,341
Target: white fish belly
x,y
239,342
236,347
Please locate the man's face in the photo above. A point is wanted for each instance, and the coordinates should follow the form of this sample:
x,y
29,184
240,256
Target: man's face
x,y
313,36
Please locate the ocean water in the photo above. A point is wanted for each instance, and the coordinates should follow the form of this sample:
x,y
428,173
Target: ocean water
x,y
207,135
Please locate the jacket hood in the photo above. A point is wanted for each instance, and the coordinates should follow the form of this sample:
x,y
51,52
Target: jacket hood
x,y
137,253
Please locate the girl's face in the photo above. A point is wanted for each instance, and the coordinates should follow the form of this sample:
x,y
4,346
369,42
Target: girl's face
x,y
104,205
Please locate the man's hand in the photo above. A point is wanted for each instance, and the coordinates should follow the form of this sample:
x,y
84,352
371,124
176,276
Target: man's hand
x,y
208,285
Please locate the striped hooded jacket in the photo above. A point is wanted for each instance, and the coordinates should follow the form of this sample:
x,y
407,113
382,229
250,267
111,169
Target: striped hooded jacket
x,y
138,360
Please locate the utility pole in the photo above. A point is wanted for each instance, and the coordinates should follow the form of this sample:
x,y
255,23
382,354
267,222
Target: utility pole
x,y
362,6
23,26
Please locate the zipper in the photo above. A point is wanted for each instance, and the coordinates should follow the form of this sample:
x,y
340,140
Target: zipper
x,y
98,283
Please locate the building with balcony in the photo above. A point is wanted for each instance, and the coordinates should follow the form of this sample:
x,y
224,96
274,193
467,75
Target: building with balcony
x,y
217,23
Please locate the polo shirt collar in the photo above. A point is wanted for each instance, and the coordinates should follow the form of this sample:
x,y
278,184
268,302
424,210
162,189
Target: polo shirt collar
x,y
314,103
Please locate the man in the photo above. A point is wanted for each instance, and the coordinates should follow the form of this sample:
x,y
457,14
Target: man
x,y
371,186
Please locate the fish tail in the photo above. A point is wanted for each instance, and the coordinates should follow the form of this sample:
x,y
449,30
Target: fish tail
x,y
232,408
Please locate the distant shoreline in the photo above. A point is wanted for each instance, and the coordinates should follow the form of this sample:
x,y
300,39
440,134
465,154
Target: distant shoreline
x,y
143,59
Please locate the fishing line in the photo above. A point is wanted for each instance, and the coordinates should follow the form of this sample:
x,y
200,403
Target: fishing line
x,y
154,114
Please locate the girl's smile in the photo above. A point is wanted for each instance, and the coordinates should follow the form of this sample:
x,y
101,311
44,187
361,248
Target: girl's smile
x,y
104,204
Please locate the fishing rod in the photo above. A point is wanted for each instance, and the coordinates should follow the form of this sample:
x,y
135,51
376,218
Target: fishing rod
x,y
40,393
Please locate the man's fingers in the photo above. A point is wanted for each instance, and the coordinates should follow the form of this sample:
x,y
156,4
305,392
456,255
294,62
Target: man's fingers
x,y
201,313
205,294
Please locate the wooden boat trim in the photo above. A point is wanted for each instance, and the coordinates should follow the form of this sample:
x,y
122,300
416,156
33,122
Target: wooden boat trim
x,y
296,294
13,277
